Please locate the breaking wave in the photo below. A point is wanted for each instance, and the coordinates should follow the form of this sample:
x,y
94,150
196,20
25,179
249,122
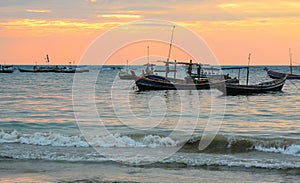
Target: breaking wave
x,y
230,151
220,144
114,140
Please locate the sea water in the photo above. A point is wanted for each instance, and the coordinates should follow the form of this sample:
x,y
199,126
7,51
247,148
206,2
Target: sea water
x,y
61,127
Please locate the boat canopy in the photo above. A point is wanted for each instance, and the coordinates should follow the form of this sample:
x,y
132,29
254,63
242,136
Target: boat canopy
x,y
234,67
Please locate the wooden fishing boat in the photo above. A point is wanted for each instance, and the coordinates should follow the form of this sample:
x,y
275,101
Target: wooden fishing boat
x,y
72,69
26,70
6,69
154,82
43,68
278,75
39,69
193,81
264,87
128,76
190,82
125,75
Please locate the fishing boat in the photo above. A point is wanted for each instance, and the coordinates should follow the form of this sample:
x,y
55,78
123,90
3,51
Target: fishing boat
x,y
193,81
37,68
71,69
278,75
154,82
246,89
126,75
264,87
6,69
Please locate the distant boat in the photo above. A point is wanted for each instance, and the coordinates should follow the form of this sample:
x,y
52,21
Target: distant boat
x,y
271,86
6,69
125,75
278,75
128,76
58,69
39,69
239,89
72,69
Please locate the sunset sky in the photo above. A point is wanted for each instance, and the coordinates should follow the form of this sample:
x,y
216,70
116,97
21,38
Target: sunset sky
x,y
30,29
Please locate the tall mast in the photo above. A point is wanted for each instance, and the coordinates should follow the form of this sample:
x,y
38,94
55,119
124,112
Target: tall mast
x,y
148,55
171,44
249,57
291,61
167,63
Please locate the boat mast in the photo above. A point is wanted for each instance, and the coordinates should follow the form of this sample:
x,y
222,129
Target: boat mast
x,y
148,55
175,69
291,61
148,63
249,57
167,63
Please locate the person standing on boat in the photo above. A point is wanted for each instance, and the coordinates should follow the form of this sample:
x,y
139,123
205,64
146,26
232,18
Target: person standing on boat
x,y
190,68
199,71
35,68
148,70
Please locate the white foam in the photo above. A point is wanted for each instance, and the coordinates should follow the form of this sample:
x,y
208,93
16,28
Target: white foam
x,y
112,140
116,140
290,150
231,161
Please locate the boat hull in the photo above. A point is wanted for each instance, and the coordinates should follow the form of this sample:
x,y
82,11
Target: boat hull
x,y
146,83
39,70
71,71
279,75
55,70
6,71
272,86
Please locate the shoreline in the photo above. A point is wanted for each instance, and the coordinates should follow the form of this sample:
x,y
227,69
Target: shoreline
x,y
13,170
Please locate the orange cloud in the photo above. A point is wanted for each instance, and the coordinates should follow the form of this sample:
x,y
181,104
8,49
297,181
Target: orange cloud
x,y
228,5
38,11
262,8
39,27
119,16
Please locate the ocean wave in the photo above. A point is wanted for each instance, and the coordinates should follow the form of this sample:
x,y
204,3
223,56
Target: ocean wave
x,y
255,161
221,144
242,144
290,150
112,140
179,159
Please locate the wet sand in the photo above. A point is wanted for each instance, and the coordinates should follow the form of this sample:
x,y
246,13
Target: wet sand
x,y
62,171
